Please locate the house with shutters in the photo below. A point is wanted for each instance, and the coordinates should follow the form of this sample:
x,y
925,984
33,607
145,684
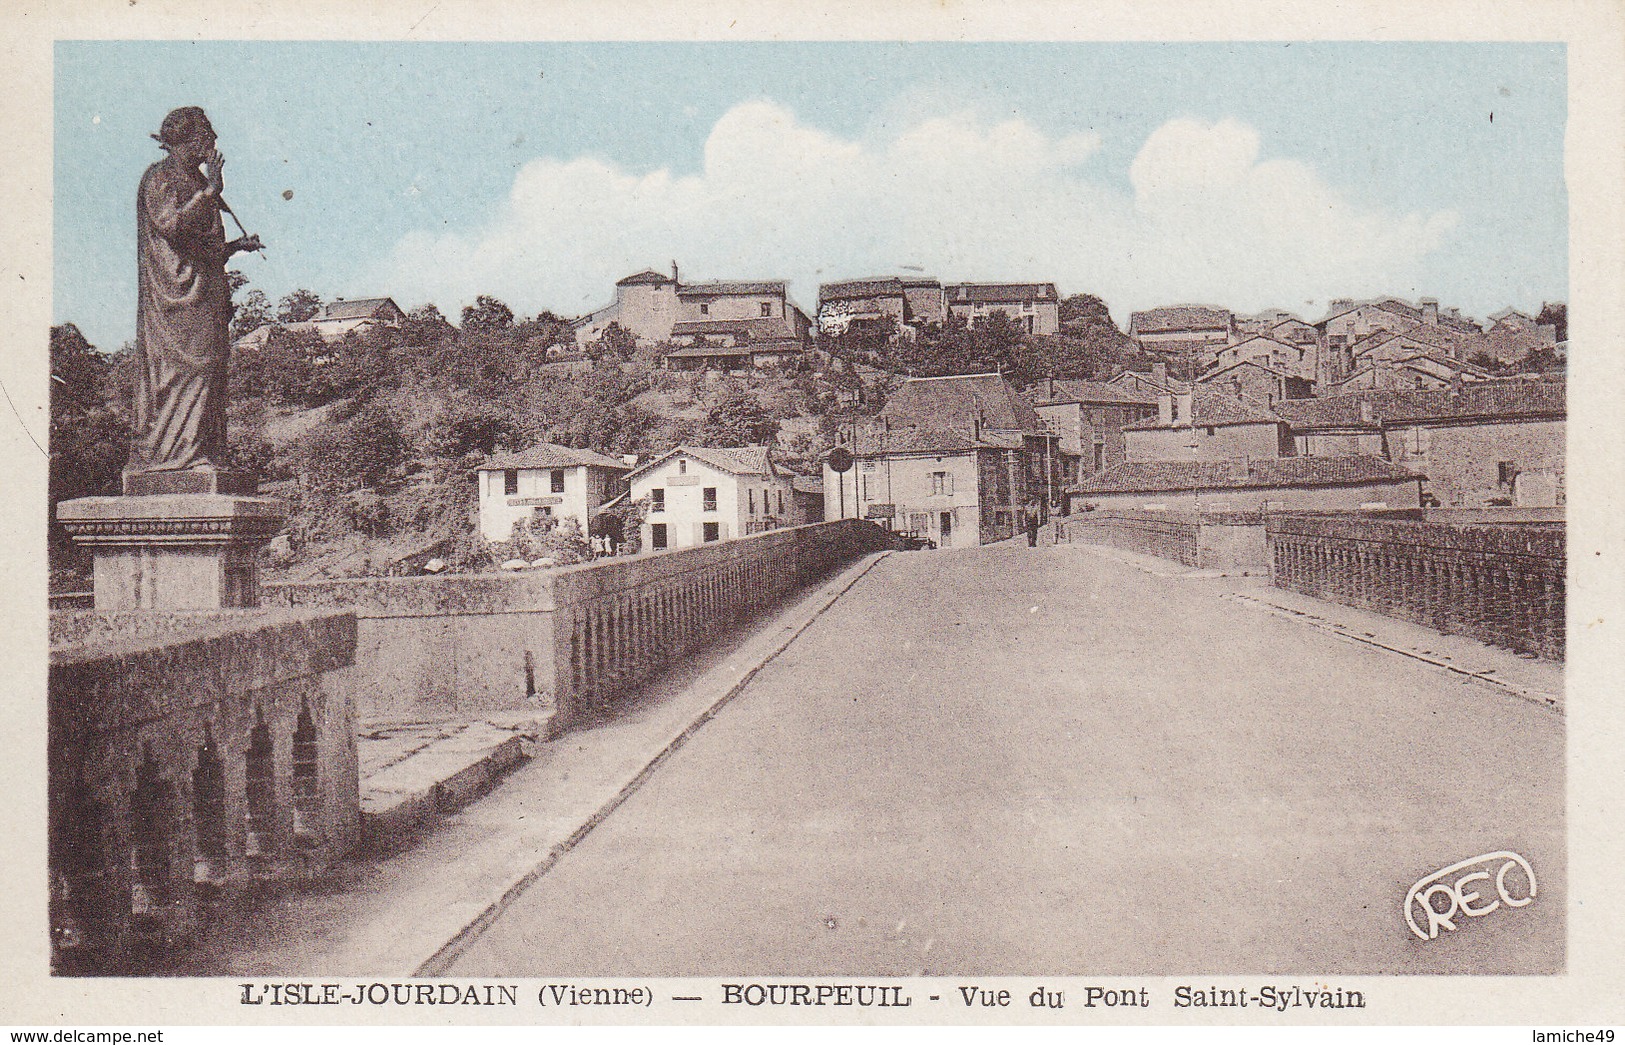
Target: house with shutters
x,y
956,460
1088,419
654,307
1493,442
1034,308
334,320
903,303
1188,334
701,495
544,486
1208,424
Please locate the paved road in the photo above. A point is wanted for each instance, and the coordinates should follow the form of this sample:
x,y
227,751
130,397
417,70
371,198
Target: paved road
x,y
1047,762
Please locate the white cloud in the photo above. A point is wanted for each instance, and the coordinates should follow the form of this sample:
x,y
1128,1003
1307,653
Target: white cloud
x,y
963,197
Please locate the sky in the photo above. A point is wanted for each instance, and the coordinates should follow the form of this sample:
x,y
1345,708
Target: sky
x,y
1243,175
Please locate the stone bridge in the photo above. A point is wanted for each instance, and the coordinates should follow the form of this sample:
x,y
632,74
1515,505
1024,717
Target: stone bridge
x,y
1061,760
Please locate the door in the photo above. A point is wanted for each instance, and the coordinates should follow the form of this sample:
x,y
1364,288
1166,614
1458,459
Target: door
x,y
947,527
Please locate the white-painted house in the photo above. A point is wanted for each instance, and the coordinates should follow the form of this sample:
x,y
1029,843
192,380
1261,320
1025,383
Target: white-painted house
x,y
702,494
546,482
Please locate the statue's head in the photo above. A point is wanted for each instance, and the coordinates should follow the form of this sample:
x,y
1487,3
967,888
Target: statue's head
x,y
186,130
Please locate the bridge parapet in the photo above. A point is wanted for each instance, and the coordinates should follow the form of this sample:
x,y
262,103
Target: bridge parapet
x,y
1501,584
548,645
1228,541
191,757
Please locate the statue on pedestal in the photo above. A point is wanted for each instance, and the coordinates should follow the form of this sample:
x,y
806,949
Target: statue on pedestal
x,y
187,532
184,311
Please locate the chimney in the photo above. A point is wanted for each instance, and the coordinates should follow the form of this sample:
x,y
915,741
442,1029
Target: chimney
x,y
674,270
1455,382
1165,408
1368,412
1159,372
1430,311
1052,387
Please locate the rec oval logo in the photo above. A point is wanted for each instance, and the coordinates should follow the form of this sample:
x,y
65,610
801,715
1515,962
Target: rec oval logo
x,y
1457,892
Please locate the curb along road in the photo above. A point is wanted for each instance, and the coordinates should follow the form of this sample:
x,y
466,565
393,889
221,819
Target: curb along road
x,y
758,653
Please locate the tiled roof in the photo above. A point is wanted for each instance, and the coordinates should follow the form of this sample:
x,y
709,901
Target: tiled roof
x,y
1173,384
875,441
957,402
1216,371
723,288
739,460
1508,312
356,308
707,351
984,293
551,455
1068,390
1433,337
878,286
1211,407
1479,399
1179,317
759,328
1174,476
807,483
646,276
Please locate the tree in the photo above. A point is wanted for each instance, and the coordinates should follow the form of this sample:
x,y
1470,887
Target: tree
x,y
738,420
89,438
253,313
298,307
1079,312
425,326
487,315
615,343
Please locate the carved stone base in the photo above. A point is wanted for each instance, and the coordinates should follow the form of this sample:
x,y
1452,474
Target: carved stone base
x,y
194,551
191,480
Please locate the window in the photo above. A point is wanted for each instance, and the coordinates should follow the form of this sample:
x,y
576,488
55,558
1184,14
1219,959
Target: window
x,y
558,480
941,484
657,499
750,496
682,466
510,481
1505,472
657,536
866,488
713,532
1209,429
767,308
705,308
781,502
710,495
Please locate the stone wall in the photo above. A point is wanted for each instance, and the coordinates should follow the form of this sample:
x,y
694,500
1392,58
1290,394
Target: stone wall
x,y
1167,535
191,757
547,644
1229,541
1502,584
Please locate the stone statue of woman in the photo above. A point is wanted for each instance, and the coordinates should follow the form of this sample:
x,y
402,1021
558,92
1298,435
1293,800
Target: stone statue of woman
x,y
184,311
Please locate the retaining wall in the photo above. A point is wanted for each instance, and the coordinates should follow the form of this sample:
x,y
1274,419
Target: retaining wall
x,y
1502,584
191,757
549,644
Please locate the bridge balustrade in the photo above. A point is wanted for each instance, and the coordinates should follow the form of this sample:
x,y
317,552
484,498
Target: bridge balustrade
x,y
1164,535
1501,584
191,757
554,644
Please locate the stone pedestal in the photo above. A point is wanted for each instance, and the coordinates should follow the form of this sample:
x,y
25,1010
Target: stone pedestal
x,y
174,551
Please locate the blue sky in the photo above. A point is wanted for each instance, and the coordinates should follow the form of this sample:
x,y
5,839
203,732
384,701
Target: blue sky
x,y
1247,175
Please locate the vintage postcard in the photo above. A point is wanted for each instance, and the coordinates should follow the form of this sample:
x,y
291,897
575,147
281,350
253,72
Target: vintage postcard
x,y
947,514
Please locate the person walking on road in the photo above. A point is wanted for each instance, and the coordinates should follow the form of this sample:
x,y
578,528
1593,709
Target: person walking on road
x,y
1032,526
